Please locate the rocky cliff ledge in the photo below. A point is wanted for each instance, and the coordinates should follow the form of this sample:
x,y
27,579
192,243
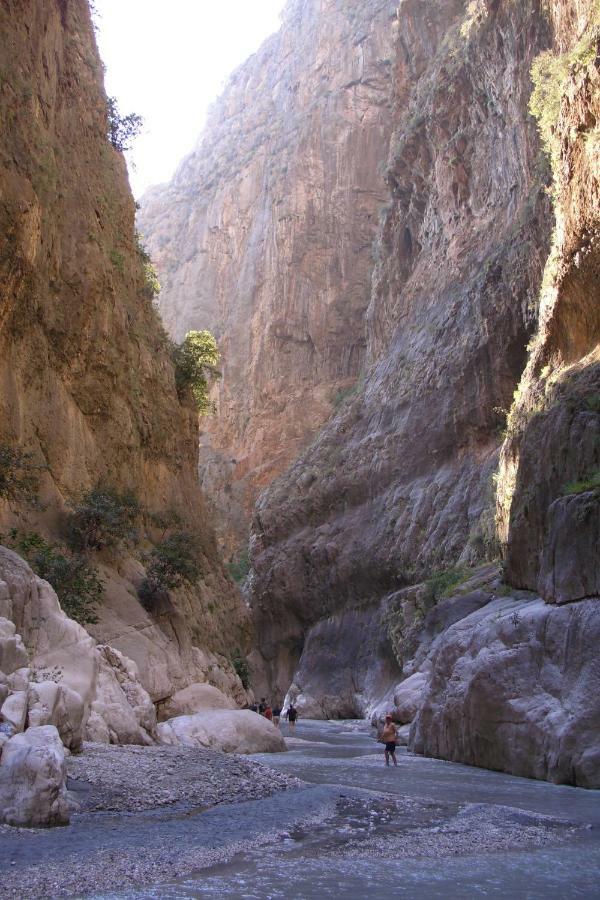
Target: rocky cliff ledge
x,y
265,236
88,387
400,483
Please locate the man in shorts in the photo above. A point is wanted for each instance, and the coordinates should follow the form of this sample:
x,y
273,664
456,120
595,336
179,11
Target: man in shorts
x,y
388,737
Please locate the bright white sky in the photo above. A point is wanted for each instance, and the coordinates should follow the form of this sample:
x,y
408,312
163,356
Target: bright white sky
x,y
168,61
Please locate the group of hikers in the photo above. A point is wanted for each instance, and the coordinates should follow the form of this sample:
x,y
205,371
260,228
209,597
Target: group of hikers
x,y
274,713
387,735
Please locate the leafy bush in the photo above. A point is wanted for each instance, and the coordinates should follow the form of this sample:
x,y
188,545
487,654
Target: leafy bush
x,y
591,483
441,583
19,476
121,130
195,362
103,518
152,287
76,583
240,664
172,563
239,567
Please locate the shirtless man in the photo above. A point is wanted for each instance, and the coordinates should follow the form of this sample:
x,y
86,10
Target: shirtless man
x,y
388,737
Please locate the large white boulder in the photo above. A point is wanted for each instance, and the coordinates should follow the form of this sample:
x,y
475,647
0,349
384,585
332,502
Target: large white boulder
x,y
14,710
56,704
195,698
114,705
33,779
233,731
515,687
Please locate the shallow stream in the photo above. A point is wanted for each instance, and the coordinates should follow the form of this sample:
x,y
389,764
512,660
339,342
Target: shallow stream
x,y
426,829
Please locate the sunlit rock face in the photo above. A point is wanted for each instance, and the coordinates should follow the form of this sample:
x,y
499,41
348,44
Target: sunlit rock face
x,y
399,483
86,381
549,485
265,236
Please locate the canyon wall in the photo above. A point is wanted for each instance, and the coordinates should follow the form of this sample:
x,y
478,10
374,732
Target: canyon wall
x,y
400,483
87,385
265,237
472,429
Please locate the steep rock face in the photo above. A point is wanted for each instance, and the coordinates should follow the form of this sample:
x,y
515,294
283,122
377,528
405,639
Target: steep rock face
x,y
514,687
264,235
400,481
86,383
549,497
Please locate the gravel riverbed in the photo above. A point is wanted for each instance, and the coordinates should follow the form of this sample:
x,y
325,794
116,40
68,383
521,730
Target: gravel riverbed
x,y
135,810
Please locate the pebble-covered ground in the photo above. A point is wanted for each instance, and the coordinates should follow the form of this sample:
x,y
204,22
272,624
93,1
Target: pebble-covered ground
x,y
130,778
135,808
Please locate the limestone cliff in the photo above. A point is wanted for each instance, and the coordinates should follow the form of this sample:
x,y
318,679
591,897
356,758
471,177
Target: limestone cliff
x,y
87,385
549,483
399,483
264,236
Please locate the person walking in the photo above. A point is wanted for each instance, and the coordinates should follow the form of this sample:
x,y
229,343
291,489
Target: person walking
x,y
388,736
292,716
276,715
268,713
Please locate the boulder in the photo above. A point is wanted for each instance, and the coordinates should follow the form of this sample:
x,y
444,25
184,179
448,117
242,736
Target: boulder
x,y
515,687
233,731
14,710
19,680
121,711
193,699
33,779
56,704
403,700
13,654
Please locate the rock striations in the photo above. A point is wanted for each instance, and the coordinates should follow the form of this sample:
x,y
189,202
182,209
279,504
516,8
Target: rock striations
x,y
265,236
472,424
88,393
87,383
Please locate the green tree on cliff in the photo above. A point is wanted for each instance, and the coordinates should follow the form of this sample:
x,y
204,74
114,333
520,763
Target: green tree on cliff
x,y
195,363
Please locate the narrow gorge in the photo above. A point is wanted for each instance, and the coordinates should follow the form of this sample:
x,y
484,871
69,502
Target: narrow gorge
x,y
391,225
456,293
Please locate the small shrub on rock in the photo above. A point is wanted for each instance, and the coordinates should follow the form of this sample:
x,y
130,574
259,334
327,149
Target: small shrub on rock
x,y
195,362
442,583
76,583
240,664
239,567
172,563
103,518
19,476
121,130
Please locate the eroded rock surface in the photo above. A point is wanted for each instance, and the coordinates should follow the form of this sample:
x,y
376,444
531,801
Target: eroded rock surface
x,y
399,483
264,235
515,687
33,779
234,731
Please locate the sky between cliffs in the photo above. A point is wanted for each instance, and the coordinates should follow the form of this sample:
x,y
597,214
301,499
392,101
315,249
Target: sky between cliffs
x,y
168,62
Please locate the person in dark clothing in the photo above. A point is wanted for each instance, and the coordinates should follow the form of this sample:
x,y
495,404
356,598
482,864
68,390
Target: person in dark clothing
x,y
262,705
276,715
292,716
